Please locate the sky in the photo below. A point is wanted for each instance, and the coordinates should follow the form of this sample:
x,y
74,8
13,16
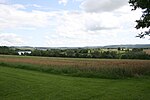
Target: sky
x,y
68,23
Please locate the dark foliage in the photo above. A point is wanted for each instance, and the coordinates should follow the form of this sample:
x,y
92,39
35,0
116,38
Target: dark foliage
x,y
92,53
144,21
7,51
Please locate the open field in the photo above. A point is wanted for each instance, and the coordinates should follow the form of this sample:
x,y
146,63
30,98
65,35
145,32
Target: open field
x,y
147,51
103,68
19,84
81,62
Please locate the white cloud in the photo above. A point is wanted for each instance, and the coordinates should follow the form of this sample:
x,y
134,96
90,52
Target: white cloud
x,y
83,28
10,39
17,6
102,5
63,21
63,2
71,24
12,16
70,28
37,6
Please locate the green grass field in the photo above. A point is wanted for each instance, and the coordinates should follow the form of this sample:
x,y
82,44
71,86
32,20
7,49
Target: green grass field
x,y
20,84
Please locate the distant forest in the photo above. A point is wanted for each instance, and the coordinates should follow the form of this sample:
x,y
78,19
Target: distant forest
x,y
101,53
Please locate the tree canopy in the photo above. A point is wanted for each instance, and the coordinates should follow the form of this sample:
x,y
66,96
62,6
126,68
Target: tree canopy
x,y
144,21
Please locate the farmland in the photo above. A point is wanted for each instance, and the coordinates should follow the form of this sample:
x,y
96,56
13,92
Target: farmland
x,y
102,68
50,78
147,51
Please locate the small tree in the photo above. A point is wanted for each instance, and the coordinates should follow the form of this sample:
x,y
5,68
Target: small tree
x,y
119,48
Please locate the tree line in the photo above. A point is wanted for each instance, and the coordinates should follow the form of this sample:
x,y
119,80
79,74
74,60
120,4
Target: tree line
x,y
92,53
8,51
82,53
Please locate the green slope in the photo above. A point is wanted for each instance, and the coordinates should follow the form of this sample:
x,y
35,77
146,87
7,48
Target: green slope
x,y
19,84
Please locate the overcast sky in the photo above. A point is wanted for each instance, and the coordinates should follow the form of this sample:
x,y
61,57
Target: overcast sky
x,y
68,23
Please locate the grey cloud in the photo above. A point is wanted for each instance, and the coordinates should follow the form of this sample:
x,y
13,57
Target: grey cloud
x,y
102,5
101,28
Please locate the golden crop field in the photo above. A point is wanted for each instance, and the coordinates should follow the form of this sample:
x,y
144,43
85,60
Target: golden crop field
x,y
77,65
147,51
76,61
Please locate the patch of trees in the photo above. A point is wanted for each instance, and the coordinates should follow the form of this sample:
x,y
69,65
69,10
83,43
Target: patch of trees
x,y
7,50
135,55
92,53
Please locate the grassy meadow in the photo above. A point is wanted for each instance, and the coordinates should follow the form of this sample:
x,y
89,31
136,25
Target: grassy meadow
x,y
45,78
19,84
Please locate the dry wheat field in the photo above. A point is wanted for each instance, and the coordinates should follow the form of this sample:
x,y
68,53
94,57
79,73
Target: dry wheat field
x,y
107,68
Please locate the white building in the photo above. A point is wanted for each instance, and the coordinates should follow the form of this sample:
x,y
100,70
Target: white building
x,y
24,52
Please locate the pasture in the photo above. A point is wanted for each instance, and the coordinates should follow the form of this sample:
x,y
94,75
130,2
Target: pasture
x,y
19,84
